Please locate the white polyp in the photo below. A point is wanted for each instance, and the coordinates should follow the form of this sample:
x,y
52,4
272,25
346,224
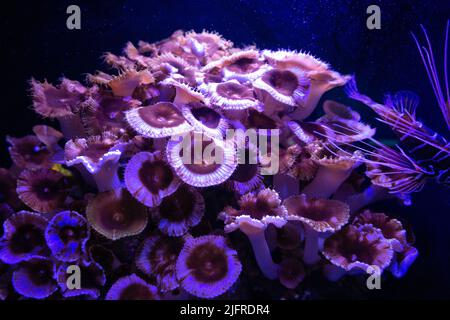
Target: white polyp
x,y
315,92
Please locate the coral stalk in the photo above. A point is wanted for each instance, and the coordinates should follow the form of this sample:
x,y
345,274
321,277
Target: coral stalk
x,y
326,182
370,195
107,177
311,254
262,254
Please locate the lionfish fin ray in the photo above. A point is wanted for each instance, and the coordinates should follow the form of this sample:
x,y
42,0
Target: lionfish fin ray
x,y
427,56
352,92
403,102
400,172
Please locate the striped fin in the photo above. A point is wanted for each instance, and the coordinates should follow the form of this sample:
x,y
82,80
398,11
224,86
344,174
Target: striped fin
x,y
391,111
403,102
352,92
393,168
398,112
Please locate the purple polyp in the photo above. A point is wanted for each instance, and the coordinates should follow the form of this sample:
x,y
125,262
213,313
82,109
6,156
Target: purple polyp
x,y
23,237
35,278
132,288
66,235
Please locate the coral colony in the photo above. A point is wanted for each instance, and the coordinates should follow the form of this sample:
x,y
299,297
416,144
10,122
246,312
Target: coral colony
x,y
195,171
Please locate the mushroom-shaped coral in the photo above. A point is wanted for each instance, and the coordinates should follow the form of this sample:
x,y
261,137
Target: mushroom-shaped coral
x,y
208,45
205,119
105,112
180,211
256,212
167,65
66,235
157,257
291,272
35,278
281,88
29,152
43,190
92,279
160,120
319,216
391,228
99,156
232,95
286,59
23,237
149,178
320,81
201,161
319,75
116,214
184,93
132,288
335,167
243,66
359,248
207,267
245,179
60,102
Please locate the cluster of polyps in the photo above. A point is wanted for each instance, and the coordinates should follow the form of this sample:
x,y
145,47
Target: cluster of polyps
x,y
114,191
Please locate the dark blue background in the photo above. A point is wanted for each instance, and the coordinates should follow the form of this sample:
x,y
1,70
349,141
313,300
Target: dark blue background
x,y
35,42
